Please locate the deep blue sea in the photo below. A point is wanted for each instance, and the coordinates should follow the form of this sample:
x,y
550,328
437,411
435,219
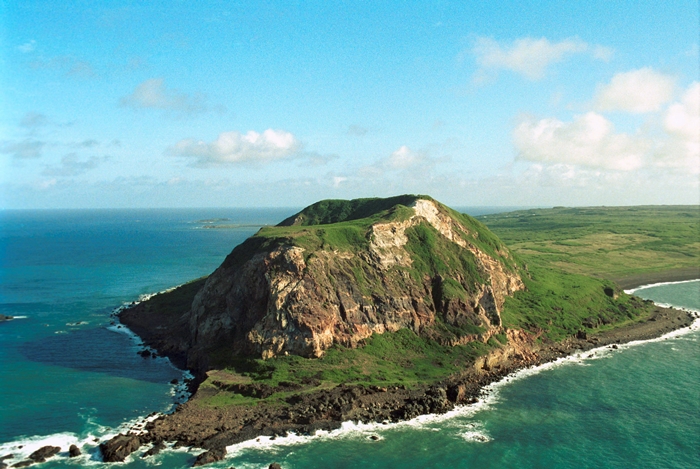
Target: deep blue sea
x,y
69,375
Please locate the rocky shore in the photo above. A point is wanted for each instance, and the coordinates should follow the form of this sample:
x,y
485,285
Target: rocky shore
x,y
212,429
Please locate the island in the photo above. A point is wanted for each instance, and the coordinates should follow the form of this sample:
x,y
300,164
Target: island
x,y
374,310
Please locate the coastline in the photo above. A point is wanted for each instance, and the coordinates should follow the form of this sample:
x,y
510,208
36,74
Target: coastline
x,y
216,429
651,285
637,281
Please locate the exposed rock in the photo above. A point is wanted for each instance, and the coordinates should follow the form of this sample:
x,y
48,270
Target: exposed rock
x,y
157,448
119,447
44,453
269,298
274,465
25,463
74,451
208,457
275,295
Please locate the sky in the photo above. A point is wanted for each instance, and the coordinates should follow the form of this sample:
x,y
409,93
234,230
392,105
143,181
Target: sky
x,y
118,104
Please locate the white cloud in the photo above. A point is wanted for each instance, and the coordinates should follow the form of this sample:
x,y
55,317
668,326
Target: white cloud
x,y
528,56
72,166
357,130
589,140
153,94
637,91
404,158
27,47
681,149
72,66
602,53
669,143
234,147
25,149
33,120
683,118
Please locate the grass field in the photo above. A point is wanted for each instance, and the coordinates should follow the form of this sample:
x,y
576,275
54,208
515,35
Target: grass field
x,y
400,358
605,242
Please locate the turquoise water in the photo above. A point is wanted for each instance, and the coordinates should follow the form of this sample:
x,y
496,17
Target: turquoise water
x,y
633,407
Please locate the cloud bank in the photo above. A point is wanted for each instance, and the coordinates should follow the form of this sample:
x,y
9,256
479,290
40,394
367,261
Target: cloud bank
x,y
25,149
528,57
71,165
153,94
234,147
590,139
637,91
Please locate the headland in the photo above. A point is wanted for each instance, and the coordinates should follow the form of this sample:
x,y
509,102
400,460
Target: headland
x,y
377,310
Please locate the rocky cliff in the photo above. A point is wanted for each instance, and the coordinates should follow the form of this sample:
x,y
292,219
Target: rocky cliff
x,y
340,271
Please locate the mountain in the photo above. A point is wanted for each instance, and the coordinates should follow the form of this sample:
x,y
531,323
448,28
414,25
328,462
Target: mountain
x,y
340,271
369,310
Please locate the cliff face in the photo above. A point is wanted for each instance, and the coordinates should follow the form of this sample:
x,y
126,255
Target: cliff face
x,y
327,276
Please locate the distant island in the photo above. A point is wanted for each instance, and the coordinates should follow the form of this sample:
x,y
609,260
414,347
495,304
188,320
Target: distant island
x,y
213,220
383,310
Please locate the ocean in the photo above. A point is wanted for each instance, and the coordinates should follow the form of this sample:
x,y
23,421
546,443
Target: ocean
x,y
69,375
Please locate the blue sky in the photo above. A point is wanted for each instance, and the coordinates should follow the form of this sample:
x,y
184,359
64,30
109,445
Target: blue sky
x,y
188,104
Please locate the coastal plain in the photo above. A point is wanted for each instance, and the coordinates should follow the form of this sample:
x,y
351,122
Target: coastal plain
x,y
572,300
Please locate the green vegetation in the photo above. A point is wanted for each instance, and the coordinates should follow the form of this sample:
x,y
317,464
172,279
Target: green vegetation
x,y
434,255
558,304
606,242
349,233
400,358
565,249
567,258
335,211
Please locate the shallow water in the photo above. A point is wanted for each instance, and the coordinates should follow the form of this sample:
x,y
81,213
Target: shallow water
x,y
62,384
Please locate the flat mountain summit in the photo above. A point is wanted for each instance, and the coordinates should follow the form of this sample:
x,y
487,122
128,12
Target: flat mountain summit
x,y
341,270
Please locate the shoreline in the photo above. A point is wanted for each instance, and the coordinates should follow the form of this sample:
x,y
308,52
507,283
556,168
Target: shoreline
x,y
637,281
474,393
215,430
631,291
487,393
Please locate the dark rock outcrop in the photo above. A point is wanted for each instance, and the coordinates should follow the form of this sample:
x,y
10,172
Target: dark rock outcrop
x,y
45,452
157,448
25,463
119,447
74,451
208,457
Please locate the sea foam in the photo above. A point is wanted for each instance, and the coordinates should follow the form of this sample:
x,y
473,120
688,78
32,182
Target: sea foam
x,y
472,431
